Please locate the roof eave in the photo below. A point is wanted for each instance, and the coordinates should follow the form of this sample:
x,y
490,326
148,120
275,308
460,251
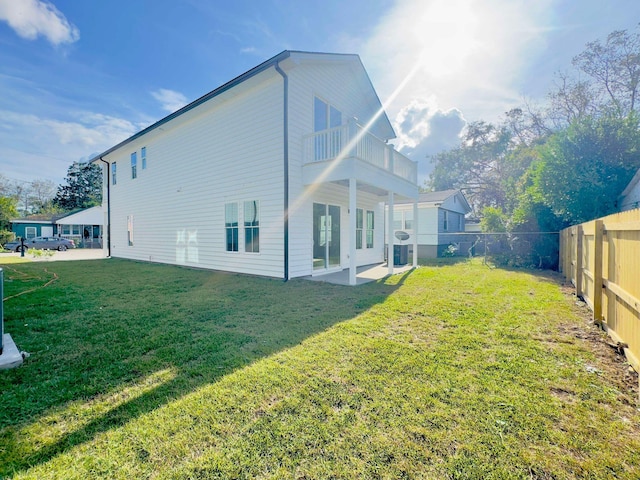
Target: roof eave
x,y
214,93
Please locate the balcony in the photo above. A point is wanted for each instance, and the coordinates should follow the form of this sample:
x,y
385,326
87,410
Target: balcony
x,y
349,151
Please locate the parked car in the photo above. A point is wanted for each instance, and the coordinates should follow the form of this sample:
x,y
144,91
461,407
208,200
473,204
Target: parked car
x,y
44,243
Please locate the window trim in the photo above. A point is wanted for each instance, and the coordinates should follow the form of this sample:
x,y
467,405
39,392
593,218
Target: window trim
x,y
252,226
114,171
134,165
32,229
370,230
231,227
143,157
359,227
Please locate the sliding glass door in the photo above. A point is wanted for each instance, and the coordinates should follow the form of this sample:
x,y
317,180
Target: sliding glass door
x,y
326,236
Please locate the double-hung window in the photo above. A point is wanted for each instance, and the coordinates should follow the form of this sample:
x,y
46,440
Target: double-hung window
x,y
143,157
445,221
231,226
252,226
370,227
134,164
359,227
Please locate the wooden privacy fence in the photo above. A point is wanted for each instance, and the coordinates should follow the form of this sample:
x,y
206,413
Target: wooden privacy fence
x,y
601,258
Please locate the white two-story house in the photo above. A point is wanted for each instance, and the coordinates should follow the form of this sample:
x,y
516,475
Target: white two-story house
x,y
283,172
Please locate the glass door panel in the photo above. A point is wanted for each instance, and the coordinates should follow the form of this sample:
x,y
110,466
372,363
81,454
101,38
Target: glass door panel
x,y
333,229
326,236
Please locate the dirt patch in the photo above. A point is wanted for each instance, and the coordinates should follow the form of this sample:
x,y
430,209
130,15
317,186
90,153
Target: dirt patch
x,y
612,364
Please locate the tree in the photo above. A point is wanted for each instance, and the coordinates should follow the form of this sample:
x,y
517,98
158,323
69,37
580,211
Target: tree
x,y
615,68
83,187
484,165
42,193
8,211
583,169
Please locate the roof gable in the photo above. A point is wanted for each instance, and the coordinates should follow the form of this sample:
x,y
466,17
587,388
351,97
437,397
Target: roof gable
x,y
295,58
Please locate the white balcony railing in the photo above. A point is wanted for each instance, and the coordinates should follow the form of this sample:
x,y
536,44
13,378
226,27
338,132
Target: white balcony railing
x,y
351,140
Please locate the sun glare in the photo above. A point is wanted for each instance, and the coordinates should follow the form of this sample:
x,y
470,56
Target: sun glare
x,y
446,33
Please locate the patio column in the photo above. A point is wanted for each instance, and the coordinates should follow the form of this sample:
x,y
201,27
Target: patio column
x,y
352,231
390,242
415,233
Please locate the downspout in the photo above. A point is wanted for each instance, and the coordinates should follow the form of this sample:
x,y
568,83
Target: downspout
x,y
286,170
108,206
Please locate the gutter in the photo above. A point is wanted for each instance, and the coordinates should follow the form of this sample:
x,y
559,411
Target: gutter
x,y
286,168
108,205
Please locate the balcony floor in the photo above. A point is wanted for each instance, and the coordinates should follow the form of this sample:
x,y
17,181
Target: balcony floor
x,y
364,274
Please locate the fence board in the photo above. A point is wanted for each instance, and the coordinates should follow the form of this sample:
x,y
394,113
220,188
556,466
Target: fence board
x,y
601,259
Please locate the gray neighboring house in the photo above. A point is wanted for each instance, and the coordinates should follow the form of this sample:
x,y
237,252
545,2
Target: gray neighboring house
x,y
441,221
630,196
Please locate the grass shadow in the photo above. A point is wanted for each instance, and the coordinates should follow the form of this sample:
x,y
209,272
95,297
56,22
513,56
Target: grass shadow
x,y
102,327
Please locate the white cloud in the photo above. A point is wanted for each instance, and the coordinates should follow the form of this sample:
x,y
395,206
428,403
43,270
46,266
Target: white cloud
x,y
170,99
423,130
36,147
33,18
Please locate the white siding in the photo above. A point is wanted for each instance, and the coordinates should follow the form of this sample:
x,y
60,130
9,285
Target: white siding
x,y
338,85
225,150
338,195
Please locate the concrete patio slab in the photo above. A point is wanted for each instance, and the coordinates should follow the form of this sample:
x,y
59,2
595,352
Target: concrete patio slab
x,y
364,274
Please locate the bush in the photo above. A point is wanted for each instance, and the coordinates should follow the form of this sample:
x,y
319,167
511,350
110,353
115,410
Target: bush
x,y
6,236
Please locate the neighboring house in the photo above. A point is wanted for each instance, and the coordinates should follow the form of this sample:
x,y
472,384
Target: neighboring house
x,y
441,222
83,227
630,197
281,172
34,226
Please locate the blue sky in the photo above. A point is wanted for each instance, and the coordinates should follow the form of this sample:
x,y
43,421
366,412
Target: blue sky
x,y
77,77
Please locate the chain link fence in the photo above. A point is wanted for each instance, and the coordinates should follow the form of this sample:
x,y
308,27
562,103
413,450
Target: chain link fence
x,y
514,249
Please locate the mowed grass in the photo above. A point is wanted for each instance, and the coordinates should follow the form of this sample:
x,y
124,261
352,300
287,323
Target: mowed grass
x,y
450,371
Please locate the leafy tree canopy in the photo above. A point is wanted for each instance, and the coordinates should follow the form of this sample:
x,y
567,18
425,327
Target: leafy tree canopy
x,y
83,187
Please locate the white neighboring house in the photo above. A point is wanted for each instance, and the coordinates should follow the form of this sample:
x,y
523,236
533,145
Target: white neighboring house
x,y
630,196
441,222
83,227
283,172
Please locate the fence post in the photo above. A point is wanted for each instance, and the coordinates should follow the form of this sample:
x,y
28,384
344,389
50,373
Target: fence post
x,y
579,237
597,271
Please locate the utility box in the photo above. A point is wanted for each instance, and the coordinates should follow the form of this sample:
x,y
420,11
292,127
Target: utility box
x,y
400,254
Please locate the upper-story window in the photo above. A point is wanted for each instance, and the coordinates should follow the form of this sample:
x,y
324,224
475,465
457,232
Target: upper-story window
x,y
143,157
114,170
134,164
325,116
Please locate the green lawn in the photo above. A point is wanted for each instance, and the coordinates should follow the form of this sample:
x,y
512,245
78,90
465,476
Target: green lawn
x,y
450,371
